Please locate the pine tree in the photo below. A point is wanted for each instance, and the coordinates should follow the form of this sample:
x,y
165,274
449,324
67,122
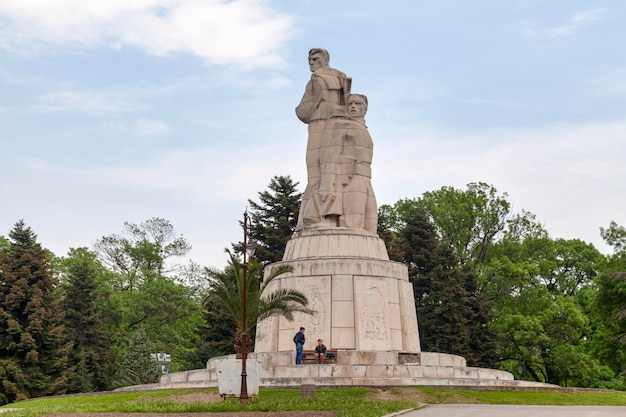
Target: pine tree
x,y
452,317
33,346
138,367
274,218
219,334
83,304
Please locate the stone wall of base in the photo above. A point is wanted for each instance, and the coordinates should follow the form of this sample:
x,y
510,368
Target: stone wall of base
x,y
359,304
380,369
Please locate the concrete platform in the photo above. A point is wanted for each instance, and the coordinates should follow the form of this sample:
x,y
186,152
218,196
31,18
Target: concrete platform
x,y
380,369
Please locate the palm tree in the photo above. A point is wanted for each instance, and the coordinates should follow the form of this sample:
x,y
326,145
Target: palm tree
x,y
226,292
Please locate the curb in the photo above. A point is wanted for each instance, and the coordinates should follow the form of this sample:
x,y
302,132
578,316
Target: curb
x,y
398,413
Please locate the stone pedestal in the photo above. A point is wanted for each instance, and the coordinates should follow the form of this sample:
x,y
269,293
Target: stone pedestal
x,y
362,300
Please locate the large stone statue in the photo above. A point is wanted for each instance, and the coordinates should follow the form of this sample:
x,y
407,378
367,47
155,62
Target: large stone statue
x,y
364,303
326,90
339,152
345,190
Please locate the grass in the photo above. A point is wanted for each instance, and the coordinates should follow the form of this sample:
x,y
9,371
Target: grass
x,y
348,402
450,396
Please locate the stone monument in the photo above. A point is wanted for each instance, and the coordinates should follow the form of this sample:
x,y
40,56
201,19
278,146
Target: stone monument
x,y
362,300
364,305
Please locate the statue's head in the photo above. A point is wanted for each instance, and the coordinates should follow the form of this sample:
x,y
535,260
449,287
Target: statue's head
x,y
357,105
318,58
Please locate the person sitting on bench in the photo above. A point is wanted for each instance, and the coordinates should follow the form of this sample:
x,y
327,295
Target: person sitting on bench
x,y
320,352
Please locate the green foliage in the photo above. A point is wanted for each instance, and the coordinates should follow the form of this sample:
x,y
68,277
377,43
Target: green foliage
x,y
274,218
452,314
138,367
615,236
543,338
4,243
467,221
88,321
611,310
141,251
509,279
148,293
33,345
227,293
216,336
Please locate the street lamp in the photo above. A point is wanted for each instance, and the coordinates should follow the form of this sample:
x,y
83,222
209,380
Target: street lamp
x,y
248,250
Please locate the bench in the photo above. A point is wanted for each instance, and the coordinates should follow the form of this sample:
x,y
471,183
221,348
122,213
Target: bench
x,y
308,356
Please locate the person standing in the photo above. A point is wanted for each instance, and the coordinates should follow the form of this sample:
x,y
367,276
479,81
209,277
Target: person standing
x,y
298,339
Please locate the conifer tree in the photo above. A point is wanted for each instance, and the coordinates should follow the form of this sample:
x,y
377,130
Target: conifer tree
x,y
33,346
85,319
452,317
274,218
138,367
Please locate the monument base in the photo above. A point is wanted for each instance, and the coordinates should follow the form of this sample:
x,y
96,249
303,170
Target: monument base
x,y
362,301
374,369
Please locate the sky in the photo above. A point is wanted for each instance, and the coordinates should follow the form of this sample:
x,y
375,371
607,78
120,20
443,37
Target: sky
x,y
124,110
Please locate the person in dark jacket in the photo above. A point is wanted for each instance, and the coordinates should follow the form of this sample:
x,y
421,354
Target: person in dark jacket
x,y
298,339
320,351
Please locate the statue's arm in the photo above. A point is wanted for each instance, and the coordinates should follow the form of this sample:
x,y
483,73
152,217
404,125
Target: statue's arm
x,y
313,96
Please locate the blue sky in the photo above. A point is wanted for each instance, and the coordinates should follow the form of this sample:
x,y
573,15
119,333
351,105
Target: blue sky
x,y
126,110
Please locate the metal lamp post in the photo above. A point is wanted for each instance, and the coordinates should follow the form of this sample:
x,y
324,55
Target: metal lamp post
x,y
248,250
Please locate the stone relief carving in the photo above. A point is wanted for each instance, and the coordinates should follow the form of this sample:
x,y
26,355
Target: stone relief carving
x,y
339,151
316,303
262,330
371,317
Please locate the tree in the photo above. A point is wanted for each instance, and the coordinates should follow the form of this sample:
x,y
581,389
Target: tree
x,y
227,289
611,300
148,291
33,345
218,333
89,321
615,236
452,314
543,337
142,250
138,367
4,243
514,262
467,221
388,226
274,218
539,289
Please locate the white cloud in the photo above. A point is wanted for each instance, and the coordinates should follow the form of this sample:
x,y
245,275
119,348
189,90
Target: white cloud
x,y
576,22
148,127
611,83
240,32
87,101
203,175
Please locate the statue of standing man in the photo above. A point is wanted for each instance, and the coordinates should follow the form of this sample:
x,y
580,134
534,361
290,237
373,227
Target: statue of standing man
x,y
327,89
339,152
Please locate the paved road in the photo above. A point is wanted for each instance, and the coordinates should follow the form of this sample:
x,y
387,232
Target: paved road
x,y
484,410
